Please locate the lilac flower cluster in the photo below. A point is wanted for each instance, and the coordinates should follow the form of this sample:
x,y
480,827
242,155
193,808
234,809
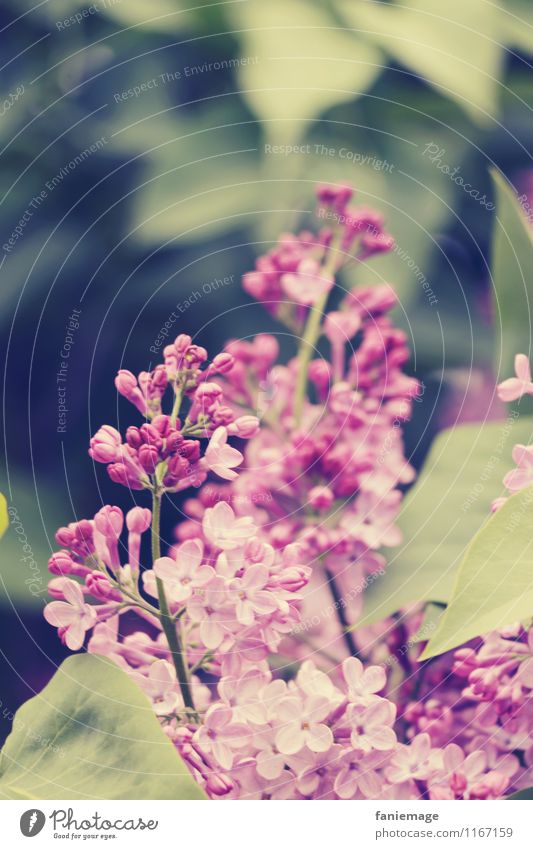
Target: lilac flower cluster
x,y
253,705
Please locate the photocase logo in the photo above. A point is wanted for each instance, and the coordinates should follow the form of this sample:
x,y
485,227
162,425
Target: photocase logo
x,y
32,822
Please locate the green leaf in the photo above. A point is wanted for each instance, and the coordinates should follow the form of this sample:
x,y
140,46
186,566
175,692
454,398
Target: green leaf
x,y
518,24
455,46
448,504
91,734
494,585
3,515
522,794
300,63
512,276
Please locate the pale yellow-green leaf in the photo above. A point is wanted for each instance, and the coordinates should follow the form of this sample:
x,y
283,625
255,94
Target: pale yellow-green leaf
x,y
456,46
301,62
494,585
91,734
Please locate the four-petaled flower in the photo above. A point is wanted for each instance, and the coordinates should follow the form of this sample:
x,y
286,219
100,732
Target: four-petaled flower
x,y
302,725
184,574
220,736
73,616
220,457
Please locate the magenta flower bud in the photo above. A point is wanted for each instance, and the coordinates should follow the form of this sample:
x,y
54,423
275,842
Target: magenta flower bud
x,y
245,427
99,587
218,784
266,348
119,473
341,326
65,537
256,284
337,196
207,394
222,363
105,444
109,521
190,449
195,356
173,442
126,384
321,498
150,435
375,244
61,563
159,380
138,519
222,416
320,375
177,469
161,424
133,437
148,458
182,343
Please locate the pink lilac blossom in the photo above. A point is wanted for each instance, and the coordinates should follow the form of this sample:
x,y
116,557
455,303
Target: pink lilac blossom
x,y
222,644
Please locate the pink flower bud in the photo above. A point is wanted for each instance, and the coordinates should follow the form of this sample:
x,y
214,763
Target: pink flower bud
x,y
148,458
126,384
245,427
320,375
105,444
190,449
266,349
61,563
138,520
150,435
222,416
207,394
65,537
99,587
337,196
256,284
182,343
133,437
378,244
109,521
195,356
222,363
120,473
321,498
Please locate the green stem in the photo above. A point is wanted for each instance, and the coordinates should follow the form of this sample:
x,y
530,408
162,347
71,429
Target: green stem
x,y
168,624
179,392
307,346
312,334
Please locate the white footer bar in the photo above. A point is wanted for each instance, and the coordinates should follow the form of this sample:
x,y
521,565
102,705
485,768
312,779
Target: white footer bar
x,y
267,825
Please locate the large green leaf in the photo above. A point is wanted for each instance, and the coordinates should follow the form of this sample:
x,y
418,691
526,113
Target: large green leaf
x,y
449,503
91,734
455,46
299,62
494,584
512,277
